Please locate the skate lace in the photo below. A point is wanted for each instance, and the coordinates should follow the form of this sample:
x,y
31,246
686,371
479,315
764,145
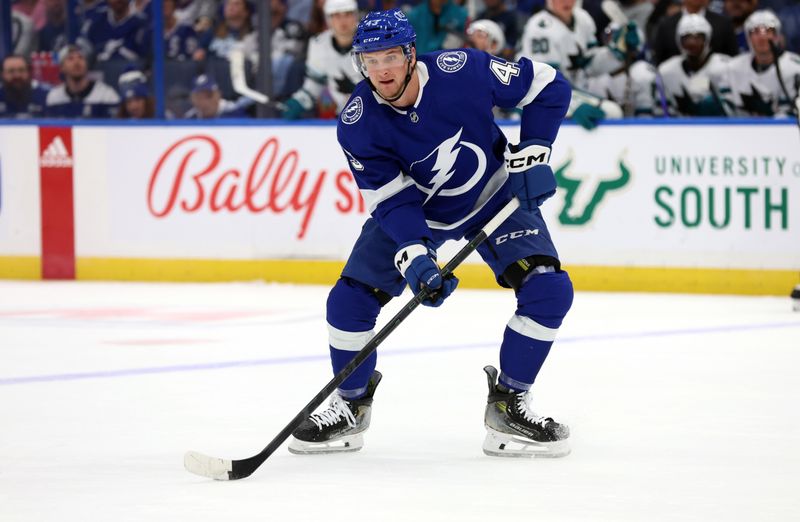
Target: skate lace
x,y
524,407
337,409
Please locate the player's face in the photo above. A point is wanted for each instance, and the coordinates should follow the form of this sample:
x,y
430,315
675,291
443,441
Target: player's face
x,y
760,38
16,73
693,44
480,40
562,8
343,25
387,70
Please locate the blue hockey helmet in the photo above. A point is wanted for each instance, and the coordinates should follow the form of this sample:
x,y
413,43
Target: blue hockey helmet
x,y
381,30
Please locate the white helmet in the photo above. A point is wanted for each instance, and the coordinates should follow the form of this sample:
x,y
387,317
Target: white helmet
x,y
694,24
763,18
492,29
339,6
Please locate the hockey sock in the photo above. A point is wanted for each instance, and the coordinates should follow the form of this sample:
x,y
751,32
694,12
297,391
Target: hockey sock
x,y
352,311
542,303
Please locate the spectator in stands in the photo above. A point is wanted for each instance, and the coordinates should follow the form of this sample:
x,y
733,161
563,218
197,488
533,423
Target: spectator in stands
x,y
288,51
23,34
235,29
661,9
738,11
329,63
33,9
199,14
180,39
439,24
53,35
756,88
113,32
79,96
136,100
288,36
723,38
207,101
507,20
790,19
20,96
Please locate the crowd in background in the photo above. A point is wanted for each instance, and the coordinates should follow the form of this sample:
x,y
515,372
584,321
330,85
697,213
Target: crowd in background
x,y
646,58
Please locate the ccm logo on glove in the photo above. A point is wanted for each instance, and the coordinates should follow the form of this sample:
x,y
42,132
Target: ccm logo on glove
x,y
521,160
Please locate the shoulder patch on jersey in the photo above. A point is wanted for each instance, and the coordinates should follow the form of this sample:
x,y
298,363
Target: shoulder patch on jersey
x,y
352,113
451,61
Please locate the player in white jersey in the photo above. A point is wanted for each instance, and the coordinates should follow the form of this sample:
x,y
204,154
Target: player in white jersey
x,y
695,82
757,88
563,35
328,63
631,86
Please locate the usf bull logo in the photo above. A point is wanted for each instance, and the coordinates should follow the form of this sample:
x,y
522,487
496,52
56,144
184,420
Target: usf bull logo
x,y
586,190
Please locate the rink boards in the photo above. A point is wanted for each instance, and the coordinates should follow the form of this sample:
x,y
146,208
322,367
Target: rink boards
x,y
708,207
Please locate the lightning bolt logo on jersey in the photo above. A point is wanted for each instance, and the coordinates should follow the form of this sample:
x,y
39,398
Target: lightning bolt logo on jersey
x,y
445,152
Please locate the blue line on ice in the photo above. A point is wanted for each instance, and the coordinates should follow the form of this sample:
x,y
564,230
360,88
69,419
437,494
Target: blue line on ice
x,y
323,355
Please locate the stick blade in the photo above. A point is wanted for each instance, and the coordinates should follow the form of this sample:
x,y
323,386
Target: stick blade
x,y
205,466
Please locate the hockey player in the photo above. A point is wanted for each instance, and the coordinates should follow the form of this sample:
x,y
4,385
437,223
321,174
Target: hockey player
x,y
486,35
632,84
757,88
563,35
328,63
432,165
695,82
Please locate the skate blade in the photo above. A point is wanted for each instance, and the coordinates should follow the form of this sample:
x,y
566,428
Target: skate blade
x,y
346,444
499,444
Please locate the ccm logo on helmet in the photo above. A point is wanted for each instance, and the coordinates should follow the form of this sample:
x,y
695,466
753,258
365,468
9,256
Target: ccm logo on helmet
x,y
516,235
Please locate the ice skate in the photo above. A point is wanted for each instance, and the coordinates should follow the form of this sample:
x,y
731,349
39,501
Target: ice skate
x,y
340,427
513,430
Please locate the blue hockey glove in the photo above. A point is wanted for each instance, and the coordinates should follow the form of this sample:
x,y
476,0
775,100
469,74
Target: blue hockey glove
x,y
588,116
293,110
416,261
530,177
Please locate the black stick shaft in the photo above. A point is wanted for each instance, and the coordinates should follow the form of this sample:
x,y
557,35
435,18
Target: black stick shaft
x,y
245,467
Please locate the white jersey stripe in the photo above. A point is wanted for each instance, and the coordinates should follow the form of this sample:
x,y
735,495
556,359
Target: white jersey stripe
x,y
530,328
373,198
543,75
348,341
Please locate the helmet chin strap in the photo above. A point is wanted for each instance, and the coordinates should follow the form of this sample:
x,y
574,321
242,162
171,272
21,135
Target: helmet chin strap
x,y
409,72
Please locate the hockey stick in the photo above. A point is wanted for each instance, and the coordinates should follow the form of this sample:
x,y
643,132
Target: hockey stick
x,y
614,13
239,82
223,469
793,104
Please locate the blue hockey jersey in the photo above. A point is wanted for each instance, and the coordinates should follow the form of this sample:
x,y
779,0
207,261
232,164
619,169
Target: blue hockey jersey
x,y
435,169
30,105
109,39
98,100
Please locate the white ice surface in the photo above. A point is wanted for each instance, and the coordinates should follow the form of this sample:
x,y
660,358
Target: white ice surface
x,y
681,408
